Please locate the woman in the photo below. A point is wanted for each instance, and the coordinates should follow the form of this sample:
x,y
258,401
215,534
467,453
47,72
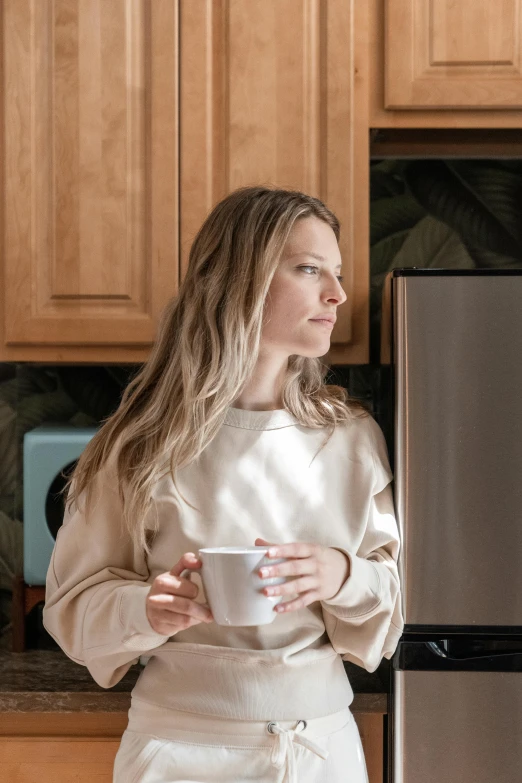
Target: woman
x,y
220,441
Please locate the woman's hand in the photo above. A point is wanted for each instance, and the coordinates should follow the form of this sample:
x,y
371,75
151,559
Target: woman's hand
x,y
321,572
170,604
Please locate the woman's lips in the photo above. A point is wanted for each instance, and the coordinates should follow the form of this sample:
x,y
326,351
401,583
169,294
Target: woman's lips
x,y
321,321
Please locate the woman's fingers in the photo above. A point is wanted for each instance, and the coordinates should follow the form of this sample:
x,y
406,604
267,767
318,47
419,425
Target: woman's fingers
x,y
180,605
188,560
296,586
298,603
170,605
181,614
164,624
306,565
174,585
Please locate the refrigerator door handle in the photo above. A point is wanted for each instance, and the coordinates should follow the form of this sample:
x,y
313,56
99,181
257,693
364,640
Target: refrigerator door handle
x,y
435,647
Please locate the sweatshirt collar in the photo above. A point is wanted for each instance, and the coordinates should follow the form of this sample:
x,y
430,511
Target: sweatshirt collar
x,y
259,420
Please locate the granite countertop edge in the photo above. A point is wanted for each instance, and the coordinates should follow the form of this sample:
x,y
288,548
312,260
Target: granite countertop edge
x,y
67,702
49,681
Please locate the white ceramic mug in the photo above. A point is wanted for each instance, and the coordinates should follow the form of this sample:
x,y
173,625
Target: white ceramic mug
x,y
233,586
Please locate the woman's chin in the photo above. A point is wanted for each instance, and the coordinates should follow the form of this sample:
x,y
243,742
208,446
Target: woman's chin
x,y
315,351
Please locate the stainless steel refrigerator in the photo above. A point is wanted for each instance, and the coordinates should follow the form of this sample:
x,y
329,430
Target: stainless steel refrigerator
x,y
456,356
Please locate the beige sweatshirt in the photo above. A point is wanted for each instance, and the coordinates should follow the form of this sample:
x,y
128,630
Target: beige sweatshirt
x,y
258,477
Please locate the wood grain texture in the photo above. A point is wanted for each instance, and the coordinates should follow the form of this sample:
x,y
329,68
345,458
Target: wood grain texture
x,y
91,185
268,96
371,729
270,92
445,64
62,724
57,760
352,164
86,753
451,55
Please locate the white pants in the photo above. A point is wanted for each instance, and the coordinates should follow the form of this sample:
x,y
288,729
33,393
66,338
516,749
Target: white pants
x,y
190,748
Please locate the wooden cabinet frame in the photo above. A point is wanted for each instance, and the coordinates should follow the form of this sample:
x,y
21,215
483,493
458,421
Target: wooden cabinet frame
x,y
81,747
70,296
245,75
382,117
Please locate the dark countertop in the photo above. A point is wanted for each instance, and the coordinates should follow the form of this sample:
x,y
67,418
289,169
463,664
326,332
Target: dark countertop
x,y
49,681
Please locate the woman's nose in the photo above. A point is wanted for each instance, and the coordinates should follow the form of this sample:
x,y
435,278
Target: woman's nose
x,y
335,293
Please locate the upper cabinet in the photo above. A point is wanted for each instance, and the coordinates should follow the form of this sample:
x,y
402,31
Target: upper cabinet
x,y
271,93
90,196
126,121
460,55
447,63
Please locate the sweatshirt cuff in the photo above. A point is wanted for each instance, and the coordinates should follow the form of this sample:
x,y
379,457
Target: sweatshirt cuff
x,y
139,634
361,592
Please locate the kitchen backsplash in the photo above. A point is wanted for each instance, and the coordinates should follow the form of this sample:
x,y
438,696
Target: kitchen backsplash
x,y
441,213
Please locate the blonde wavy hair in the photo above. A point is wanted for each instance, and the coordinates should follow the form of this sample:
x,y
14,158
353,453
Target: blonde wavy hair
x,y
204,354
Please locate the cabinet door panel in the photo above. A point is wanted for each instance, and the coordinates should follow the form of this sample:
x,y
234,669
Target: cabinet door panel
x,y
91,170
57,760
271,93
442,54
83,759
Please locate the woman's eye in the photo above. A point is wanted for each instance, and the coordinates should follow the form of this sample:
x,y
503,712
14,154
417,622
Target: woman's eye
x,y
339,277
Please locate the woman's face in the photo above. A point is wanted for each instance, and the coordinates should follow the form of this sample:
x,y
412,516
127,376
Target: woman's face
x,y
303,288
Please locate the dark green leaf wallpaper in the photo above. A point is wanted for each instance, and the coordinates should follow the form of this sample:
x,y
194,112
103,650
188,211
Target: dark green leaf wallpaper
x,y
447,213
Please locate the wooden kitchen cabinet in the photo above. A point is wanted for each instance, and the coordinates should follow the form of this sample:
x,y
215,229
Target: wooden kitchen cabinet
x,y
80,747
276,91
90,198
99,209
441,63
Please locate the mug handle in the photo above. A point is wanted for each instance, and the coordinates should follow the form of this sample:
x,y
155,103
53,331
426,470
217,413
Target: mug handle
x,y
187,573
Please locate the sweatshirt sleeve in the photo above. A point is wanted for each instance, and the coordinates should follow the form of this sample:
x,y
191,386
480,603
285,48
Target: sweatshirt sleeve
x,y
96,587
364,619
